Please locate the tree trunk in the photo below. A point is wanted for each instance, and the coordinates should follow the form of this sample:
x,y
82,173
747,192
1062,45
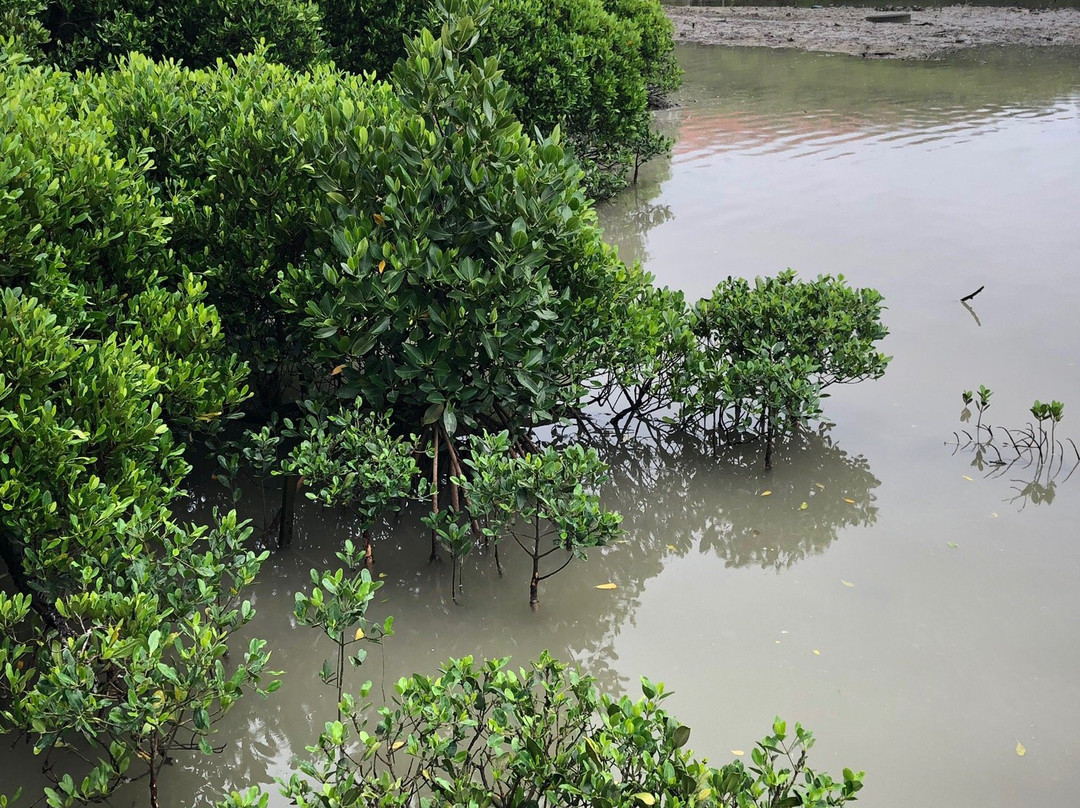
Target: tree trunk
x,y
289,489
153,774
434,491
369,550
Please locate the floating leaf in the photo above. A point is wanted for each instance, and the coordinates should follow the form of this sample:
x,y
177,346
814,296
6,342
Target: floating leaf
x,y
804,506
606,586
382,574
337,370
846,583
359,634
819,485
766,493
952,544
672,547
969,479
738,752
816,651
1020,750
849,501
994,515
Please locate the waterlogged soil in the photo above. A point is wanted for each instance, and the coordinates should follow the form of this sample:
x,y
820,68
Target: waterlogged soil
x,y
931,33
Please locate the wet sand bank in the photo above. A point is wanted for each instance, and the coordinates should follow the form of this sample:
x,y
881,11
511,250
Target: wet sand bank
x,y
931,33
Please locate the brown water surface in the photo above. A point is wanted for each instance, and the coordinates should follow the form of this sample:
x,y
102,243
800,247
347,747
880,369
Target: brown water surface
x,y
922,623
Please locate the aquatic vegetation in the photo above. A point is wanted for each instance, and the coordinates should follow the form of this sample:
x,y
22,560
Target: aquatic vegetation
x,y
1033,451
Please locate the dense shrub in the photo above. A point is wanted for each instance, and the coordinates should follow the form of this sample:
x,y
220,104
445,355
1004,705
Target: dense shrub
x,y
232,172
585,65
113,634
93,33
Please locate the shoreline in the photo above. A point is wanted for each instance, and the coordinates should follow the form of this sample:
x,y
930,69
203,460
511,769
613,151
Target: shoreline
x,y
932,32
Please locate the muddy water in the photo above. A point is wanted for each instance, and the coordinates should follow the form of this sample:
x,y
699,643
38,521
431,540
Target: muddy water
x,y
922,623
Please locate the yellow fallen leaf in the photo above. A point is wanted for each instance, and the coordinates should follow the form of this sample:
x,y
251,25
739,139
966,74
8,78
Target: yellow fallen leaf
x,y
397,745
849,501
766,493
645,798
778,642
804,506
816,651
337,370
846,583
819,485
606,586
672,547
359,634
1020,750
969,479
738,752
382,574
382,266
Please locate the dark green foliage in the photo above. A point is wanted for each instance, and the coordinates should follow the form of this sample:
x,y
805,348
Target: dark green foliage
x,y
94,33
368,36
587,66
21,26
466,251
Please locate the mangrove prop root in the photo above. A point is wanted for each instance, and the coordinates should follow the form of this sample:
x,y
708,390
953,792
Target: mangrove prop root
x,y
435,435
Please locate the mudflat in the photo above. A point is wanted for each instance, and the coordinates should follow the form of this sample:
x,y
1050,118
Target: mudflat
x,y
931,33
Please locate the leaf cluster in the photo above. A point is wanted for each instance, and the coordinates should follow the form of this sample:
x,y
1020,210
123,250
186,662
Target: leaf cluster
x,y
484,734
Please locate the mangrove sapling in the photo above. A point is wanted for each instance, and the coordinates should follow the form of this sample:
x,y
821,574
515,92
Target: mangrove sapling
x,y
337,605
349,458
539,498
981,406
1034,449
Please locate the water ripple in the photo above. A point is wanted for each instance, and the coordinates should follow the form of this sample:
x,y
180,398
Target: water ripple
x,y
827,135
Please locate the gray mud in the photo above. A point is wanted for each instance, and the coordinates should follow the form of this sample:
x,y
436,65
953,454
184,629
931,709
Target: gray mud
x,y
932,33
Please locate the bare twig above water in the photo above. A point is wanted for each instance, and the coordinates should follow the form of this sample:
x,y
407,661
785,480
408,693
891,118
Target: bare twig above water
x,y
966,298
974,316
